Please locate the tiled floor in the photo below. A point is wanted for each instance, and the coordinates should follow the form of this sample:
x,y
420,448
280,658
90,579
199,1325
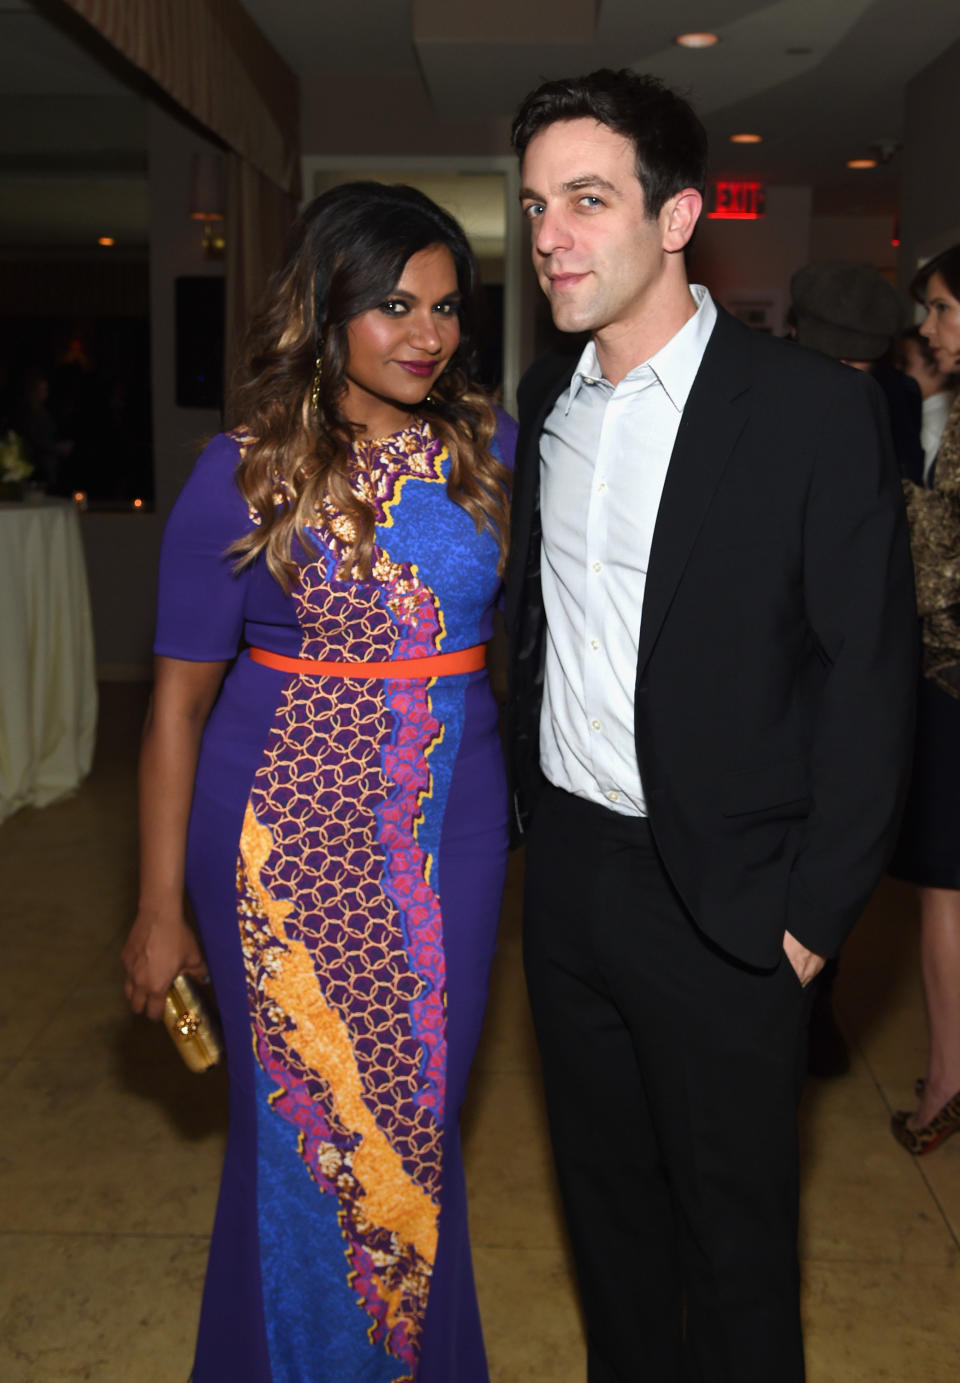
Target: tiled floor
x,y
109,1149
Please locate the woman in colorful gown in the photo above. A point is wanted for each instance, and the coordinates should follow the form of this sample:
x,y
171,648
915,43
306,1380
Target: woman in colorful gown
x,y
334,799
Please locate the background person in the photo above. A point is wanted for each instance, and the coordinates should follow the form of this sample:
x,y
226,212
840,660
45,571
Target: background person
x,y
928,853
845,309
346,843
915,358
848,311
32,419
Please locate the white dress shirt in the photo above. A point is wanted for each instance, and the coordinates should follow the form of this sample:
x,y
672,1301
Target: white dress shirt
x,y
604,455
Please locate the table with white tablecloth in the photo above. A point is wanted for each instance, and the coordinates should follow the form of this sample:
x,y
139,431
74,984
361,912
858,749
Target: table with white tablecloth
x,y
48,693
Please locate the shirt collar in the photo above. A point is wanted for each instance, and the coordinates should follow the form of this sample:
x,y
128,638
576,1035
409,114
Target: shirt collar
x,y
675,364
587,371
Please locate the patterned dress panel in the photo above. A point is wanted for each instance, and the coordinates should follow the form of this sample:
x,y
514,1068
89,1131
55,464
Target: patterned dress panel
x,y
339,910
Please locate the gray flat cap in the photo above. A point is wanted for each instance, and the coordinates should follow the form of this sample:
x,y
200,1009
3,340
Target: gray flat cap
x,y
844,309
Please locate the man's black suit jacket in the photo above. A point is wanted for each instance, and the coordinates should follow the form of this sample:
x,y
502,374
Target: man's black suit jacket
x,y
777,657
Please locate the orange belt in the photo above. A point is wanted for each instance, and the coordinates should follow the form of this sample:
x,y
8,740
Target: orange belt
x,y
439,665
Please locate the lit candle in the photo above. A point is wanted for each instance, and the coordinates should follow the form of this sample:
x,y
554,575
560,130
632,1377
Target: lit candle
x,y
80,499
137,505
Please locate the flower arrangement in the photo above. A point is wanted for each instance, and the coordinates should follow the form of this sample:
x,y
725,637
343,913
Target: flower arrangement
x,y
15,469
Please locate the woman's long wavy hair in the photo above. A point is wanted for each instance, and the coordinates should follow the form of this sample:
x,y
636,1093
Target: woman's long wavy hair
x,y
346,253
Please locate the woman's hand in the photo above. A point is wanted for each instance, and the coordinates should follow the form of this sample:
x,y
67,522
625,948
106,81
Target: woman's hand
x,y
161,946
157,950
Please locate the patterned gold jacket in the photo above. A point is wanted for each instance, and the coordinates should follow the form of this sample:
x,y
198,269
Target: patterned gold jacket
x,y
934,516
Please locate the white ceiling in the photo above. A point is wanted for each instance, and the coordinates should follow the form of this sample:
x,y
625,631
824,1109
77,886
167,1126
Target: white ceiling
x,y
63,114
816,108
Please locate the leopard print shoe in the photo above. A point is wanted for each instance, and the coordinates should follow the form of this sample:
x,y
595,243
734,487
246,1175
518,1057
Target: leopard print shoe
x,y
923,1140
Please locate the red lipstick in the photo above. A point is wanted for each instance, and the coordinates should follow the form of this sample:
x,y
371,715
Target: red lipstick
x,y
421,368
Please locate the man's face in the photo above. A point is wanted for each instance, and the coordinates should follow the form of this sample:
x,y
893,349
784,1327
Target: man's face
x,y
598,256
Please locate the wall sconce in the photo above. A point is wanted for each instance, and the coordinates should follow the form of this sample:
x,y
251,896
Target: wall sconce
x,y
208,201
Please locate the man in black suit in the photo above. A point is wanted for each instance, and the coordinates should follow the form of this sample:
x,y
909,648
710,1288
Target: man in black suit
x,y
712,632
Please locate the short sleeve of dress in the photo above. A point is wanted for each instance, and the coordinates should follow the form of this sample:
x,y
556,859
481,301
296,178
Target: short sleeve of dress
x,y
200,599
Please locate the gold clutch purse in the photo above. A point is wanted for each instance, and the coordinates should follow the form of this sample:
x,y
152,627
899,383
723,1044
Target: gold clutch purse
x,y
191,1026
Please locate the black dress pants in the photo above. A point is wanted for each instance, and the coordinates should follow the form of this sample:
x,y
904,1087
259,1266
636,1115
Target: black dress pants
x,y
672,1076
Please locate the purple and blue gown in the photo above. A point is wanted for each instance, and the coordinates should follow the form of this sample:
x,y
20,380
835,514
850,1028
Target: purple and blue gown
x,y
345,860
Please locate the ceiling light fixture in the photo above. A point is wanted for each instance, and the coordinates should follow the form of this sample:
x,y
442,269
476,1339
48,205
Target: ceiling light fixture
x,y
696,40
861,163
883,150
746,139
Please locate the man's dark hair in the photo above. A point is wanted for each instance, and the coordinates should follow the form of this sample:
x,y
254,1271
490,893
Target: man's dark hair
x,y
670,142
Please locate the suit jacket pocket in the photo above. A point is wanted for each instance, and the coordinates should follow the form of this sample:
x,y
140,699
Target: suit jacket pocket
x,y
765,788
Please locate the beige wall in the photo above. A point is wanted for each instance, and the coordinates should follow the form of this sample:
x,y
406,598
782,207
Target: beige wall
x,y
122,549
865,238
740,260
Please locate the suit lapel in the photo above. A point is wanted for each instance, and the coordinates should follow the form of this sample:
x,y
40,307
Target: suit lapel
x,y
713,418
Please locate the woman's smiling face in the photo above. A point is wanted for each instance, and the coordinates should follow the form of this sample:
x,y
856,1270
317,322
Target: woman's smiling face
x,y
398,350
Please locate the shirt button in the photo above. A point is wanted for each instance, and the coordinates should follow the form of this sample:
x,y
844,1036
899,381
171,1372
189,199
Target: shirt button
x,y
601,487
598,566
595,724
594,644
613,795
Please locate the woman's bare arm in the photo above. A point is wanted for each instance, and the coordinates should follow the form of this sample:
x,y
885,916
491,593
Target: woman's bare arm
x,y
161,944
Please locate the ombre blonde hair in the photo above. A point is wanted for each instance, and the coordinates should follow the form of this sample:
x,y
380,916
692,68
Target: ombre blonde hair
x,y
346,254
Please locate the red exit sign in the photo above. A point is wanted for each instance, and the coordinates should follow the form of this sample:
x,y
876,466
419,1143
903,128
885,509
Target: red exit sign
x,y
737,201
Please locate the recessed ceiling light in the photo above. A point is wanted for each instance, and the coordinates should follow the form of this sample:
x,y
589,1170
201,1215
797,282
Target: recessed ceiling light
x,y
746,139
861,163
696,40
106,240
